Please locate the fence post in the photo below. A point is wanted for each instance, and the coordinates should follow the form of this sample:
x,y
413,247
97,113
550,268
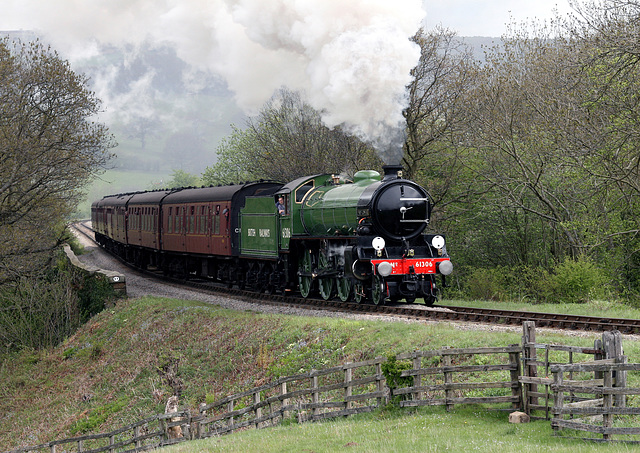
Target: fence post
x,y
599,355
315,396
230,407
621,382
380,380
612,345
191,425
558,398
285,401
348,389
258,411
136,437
607,418
202,415
417,378
516,390
448,379
530,359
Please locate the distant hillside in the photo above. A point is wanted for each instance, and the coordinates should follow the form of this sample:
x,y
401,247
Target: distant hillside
x,y
164,114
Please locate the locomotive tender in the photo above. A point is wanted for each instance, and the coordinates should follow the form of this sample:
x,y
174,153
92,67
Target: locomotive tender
x,y
362,239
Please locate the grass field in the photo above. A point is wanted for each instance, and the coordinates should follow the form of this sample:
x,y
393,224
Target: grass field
x,y
595,308
126,361
429,430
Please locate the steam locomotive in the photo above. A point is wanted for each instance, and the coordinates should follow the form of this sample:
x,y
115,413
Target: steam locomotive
x,y
361,240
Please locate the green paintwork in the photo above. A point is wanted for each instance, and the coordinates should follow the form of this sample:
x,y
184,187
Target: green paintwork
x,y
332,209
259,228
315,205
296,200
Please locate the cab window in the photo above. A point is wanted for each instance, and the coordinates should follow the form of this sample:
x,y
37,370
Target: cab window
x,y
303,190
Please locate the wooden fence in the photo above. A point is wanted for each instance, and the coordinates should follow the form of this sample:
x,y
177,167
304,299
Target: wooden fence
x,y
147,434
446,377
605,405
538,358
450,376
339,391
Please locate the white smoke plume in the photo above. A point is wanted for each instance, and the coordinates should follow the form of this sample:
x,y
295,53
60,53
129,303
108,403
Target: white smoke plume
x,y
351,58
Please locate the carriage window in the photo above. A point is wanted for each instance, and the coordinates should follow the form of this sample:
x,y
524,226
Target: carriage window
x,y
203,220
216,221
282,204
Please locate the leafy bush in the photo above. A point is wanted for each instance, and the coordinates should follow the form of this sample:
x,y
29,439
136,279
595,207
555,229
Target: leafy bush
x,y
37,312
93,293
485,284
392,370
571,281
40,311
575,281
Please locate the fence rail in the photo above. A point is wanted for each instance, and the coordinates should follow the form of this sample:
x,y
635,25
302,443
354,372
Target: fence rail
x,y
538,358
452,384
606,410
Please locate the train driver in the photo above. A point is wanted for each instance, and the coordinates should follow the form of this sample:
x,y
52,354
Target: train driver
x,y
280,205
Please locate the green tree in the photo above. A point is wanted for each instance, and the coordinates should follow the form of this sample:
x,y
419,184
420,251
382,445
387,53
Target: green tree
x,y
292,141
551,144
234,163
181,178
50,147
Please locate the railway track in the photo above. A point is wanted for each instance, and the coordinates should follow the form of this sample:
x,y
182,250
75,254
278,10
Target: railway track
x,y
416,312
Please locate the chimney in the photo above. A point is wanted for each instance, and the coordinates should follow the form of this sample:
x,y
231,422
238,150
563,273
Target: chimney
x,y
392,172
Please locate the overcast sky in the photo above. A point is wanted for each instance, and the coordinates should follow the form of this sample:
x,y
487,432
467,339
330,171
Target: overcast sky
x,y
466,17
488,17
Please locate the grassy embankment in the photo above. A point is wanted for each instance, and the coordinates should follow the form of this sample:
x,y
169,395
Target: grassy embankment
x,y
124,364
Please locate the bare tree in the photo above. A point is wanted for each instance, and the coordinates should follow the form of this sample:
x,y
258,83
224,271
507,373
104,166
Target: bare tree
x,y
606,43
49,148
524,115
437,104
436,124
